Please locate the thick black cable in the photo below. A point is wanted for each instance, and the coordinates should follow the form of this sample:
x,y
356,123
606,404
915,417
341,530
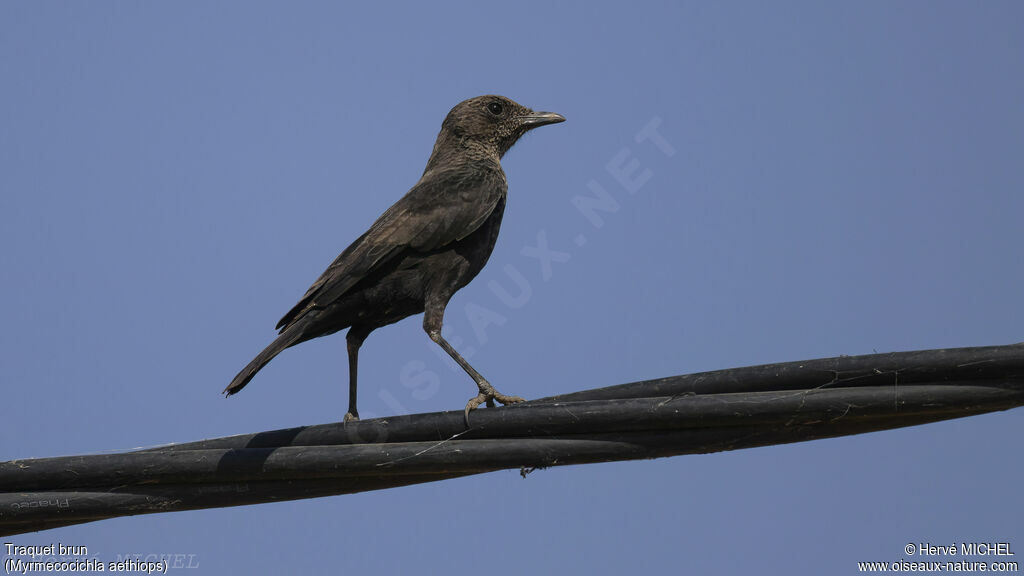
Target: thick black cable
x,y
697,413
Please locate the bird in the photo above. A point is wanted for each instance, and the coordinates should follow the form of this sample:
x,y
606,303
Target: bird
x,y
432,242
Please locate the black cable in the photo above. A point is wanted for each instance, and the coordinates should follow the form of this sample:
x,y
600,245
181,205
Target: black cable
x,y
696,413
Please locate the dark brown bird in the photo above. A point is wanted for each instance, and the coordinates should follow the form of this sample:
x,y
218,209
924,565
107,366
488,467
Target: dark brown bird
x,y
422,250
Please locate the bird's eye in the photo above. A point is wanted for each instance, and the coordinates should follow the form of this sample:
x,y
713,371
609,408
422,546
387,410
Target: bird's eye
x,y
495,108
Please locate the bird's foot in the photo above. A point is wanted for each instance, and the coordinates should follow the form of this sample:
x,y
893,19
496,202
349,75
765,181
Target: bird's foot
x,y
488,394
351,417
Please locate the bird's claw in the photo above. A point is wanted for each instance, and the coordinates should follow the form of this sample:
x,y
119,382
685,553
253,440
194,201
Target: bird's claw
x,y
488,394
350,417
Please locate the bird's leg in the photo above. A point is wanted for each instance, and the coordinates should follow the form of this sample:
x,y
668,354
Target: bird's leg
x,y
488,394
354,340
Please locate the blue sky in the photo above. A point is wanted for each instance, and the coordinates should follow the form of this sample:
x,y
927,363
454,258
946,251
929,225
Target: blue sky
x,y
846,178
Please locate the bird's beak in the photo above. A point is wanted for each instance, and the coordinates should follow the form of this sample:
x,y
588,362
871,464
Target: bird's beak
x,y
535,119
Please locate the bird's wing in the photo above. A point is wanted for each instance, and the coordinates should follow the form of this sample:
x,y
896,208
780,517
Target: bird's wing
x,y
440,209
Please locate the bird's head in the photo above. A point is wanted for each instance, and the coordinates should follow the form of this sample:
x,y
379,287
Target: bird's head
x,y
493,123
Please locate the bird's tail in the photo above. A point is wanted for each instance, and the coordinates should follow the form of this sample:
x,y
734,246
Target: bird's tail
x,y
288,338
